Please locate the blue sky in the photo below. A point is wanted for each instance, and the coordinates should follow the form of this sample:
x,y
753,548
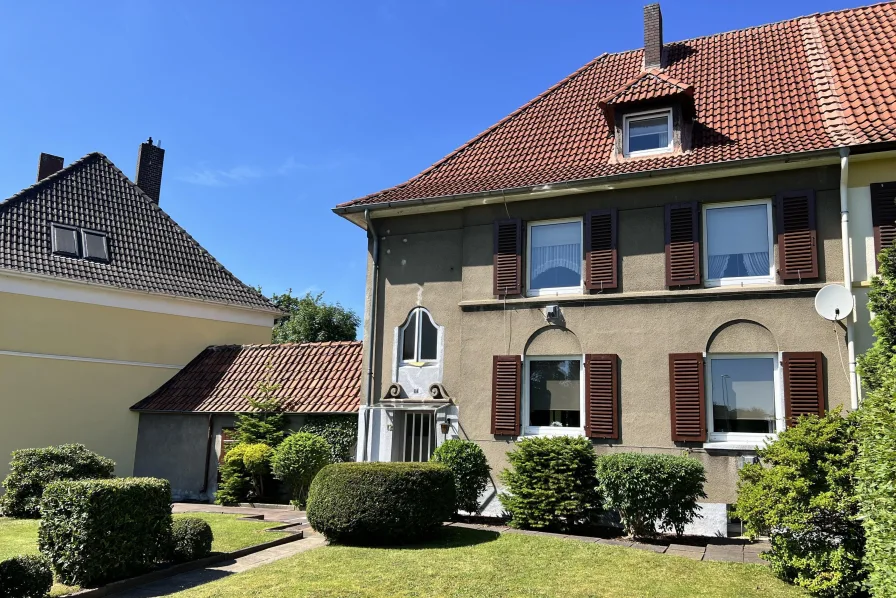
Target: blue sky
x,y
273,112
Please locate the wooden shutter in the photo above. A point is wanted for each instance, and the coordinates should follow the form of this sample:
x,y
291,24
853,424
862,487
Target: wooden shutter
x,y
682,244
506,375
601,396
803,385
601,266
686,397
797,251
508,259
883,215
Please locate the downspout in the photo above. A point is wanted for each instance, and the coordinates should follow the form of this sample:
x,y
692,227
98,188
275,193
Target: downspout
x,y
371,334
847,275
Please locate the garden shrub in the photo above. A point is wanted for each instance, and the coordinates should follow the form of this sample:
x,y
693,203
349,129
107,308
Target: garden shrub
x,y
651,490
380,503
876,434
191,539
470,469
25,576
551,485
802,496
297,460
243,473
267,422
32,469
340,432
96,531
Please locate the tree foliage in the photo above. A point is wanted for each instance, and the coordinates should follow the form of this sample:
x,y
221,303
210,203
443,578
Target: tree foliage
x,y
876,464
313,320
802,496
266,423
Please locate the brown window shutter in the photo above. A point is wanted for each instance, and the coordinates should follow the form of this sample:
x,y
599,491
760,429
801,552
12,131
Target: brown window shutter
x,y
508,260
682,244
797,251
686,397
601,266
506,375
601,396
803,385
883,215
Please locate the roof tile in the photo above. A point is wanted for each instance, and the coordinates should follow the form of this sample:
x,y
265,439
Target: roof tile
x,y
312,378
810,83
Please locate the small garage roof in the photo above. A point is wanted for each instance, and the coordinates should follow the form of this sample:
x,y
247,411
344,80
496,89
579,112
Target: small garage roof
x,y
311,378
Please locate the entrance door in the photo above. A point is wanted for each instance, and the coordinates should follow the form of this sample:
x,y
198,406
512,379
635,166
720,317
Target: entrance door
x,y
419,437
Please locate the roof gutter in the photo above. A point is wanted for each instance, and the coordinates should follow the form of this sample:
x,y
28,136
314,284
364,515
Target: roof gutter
x,y
364,422
794,160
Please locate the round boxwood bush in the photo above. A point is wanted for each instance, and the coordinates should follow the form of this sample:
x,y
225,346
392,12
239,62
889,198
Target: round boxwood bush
x,y
297,460
191,539
26,576
470,468
380,503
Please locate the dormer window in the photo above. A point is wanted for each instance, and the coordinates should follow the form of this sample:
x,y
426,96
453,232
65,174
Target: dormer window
x,y
648,133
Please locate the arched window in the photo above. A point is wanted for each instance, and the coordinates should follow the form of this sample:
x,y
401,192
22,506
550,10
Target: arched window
x,y
419,337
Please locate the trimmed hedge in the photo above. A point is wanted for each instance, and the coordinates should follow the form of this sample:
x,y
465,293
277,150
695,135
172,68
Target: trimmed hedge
x,y
25,576
650,490
802,496
96,531
191,539
552,484
32,469
470,468
380,503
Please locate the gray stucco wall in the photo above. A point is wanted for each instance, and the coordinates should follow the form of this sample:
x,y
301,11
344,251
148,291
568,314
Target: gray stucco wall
x,y
173,446
443,261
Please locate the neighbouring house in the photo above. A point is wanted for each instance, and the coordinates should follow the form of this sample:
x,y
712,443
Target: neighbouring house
x,y
187,424
103,298
633,256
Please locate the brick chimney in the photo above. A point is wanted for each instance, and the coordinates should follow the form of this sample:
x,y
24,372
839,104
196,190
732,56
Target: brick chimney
x,y
149,169
49,164
653,37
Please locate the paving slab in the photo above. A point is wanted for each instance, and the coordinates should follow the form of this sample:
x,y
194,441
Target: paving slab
x,y
688,554
660,548
687,548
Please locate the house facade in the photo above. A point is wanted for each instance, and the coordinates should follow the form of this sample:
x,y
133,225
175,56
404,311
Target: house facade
x,y
634,255
187,424
103,298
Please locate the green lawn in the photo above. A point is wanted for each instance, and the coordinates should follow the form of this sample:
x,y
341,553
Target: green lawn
x,y
19,536
479,564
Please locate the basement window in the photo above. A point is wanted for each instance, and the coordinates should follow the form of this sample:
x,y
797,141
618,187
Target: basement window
x,y
65,240
647,133
96,246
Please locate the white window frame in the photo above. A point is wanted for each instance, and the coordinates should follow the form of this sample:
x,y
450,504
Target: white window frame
x,y
553,291
740,280
416,313
530,430
745,440
642,116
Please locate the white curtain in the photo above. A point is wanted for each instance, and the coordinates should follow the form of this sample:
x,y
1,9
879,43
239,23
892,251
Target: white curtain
x,y
556,256
717,265
756,263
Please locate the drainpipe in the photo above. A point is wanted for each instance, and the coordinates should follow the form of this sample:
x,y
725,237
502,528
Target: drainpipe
x,y
371,334
847,275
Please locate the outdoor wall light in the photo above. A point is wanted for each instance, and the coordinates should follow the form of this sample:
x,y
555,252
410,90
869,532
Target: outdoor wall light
x,y
446,427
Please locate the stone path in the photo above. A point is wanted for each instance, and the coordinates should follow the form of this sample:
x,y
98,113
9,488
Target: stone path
x,y
191,579
732,550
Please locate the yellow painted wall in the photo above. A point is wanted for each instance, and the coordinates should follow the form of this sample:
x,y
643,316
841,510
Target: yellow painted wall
x,y
51,401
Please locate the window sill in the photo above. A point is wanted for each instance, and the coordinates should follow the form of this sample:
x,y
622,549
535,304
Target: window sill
x,y
738,445
548,432
662,296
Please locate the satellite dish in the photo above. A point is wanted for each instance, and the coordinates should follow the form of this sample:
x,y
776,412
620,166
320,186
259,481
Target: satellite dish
x,y
833,302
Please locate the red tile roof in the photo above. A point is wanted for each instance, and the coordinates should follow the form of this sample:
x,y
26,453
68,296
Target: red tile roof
x,y
812,83
649,85
313,378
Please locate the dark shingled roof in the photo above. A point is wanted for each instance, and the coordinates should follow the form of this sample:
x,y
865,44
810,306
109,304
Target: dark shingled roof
x,y
149,252
312,378
807,84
